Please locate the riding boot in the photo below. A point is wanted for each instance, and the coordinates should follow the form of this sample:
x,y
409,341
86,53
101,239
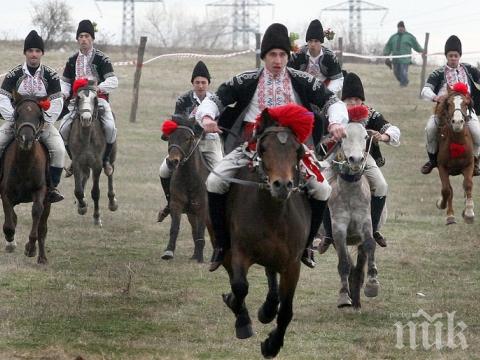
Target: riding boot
x,y
217,206
430,164
54,195
69,170
107,166
318,208
162,214
476,167
377,204
328,238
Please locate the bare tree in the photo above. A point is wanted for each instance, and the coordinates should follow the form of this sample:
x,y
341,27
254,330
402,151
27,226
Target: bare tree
x,y
53,19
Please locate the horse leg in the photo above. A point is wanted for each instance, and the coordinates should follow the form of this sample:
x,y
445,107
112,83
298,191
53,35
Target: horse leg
x,y
9,225
269,308
447,195
95,193
357,277
236,299
369,245
340,240
37,210
176,217
288,283
197,224
468,214
80,180
112,200
42,234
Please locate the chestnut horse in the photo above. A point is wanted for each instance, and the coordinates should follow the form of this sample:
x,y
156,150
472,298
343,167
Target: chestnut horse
x,y
455,150
269,224
24,177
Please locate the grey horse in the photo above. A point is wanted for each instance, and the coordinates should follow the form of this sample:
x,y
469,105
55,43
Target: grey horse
x,y
349,206
87,144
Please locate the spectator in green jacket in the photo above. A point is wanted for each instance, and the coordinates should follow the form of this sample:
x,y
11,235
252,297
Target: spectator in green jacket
x,y
401,43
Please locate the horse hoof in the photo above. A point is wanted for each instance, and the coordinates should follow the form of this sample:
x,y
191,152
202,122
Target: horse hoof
x,y
450,220
42,261
265,316
244,332
439,204
167,255
371,287
270,348
468,216
344,301
113,205
97,222
30,251
82,210
10,246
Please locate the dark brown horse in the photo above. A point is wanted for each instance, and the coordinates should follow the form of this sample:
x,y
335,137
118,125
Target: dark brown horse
x,y
187,185
269,225
87,145
24,177
455,153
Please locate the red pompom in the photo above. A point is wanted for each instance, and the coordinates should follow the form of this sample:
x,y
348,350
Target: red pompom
x,y
461,88
169,127
295,117
358,113
44,104
79,83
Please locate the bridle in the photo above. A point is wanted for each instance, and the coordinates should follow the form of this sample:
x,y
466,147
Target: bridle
x,y
37,129
344,167
193,147
93,113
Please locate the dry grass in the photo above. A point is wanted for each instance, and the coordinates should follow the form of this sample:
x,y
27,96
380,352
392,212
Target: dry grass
x,y
106,294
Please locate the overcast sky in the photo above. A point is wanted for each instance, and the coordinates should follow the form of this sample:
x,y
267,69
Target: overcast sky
x,y
440,18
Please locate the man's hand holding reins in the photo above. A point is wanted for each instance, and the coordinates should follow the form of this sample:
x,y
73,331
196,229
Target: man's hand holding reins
x,y
210,125
337,131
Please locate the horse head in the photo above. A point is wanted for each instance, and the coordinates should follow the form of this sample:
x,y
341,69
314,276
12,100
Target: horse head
x,y
28,119
87,101
279,146
353,146
453,110
183,137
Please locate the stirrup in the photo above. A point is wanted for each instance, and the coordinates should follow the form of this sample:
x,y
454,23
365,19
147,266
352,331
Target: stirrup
x,y
217,259
54,195
324,244
380,239
68,171
307,258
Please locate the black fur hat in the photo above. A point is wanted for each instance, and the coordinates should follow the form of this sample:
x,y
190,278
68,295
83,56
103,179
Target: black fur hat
x,y
315,31
453,44
401,24
86,26
200,70
33,41
275,37
352,87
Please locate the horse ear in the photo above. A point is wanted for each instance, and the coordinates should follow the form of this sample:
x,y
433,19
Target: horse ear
x,y
264,121
16,96
92,83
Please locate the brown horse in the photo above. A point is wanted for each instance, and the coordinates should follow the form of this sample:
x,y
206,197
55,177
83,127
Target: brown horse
x,y
87,145
24,177
269,225
455,153
188,191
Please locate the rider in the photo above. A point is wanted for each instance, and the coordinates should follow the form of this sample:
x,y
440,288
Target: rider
x,y
35,79
380,130
250,93
435,89
92,64
317,60
210,145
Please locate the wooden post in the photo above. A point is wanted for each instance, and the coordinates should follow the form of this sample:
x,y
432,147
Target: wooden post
x,y
257,49
424,64
340,51
136,80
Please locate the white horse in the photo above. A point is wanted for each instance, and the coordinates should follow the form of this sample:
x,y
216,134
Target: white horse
x,y
349,206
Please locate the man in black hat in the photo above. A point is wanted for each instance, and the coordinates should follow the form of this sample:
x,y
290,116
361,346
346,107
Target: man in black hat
x,y
401,43
381,131
92,64
435,89
317,60
210,145
239,101
32,78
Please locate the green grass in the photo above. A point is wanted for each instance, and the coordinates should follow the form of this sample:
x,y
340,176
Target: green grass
x,y
106,294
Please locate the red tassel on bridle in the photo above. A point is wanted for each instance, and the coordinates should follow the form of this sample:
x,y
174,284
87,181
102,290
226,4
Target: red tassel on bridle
x,y
79,83
44,104
358,113
169,127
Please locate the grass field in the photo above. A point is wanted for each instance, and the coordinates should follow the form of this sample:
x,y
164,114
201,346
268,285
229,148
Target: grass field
x,y
106,294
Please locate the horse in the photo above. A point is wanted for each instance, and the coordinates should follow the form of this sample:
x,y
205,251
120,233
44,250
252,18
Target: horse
x,y
268,225
455,150
349,206
24,177
187,185
87,145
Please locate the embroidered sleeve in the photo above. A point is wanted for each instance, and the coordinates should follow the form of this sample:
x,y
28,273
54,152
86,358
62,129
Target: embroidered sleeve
x,y
296,60
10,81
69,72
377,122
181,104
334,70
6,108
54,89
435,79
